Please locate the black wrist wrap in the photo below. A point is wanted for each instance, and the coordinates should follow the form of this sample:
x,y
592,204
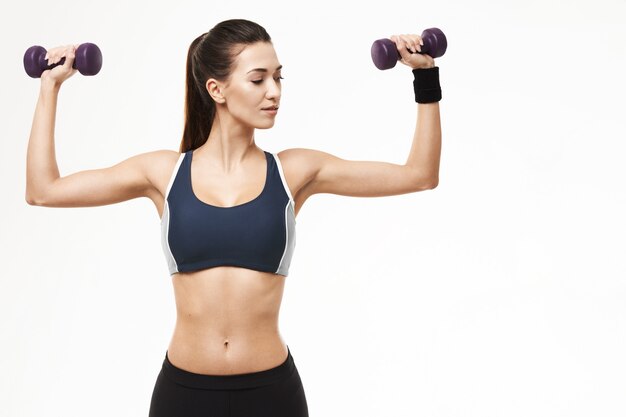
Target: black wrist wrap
x,y
426,85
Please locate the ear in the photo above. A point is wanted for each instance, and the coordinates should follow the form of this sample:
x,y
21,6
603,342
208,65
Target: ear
x,y
214,90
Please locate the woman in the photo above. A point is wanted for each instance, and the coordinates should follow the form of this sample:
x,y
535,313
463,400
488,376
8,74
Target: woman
x,y
228,212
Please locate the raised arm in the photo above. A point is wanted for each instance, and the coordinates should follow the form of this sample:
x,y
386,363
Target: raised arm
x,y
45,187
327,173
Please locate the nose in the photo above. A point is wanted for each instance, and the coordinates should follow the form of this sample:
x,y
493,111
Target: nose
x,y
273,91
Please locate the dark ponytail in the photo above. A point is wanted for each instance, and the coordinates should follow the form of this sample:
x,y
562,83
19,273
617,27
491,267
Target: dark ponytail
x,y
212,55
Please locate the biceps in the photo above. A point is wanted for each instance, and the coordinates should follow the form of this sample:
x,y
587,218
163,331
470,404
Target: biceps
x,y
97,187
366,178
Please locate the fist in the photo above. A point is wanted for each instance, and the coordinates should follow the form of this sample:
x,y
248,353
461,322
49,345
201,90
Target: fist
x,y
60,73
408,45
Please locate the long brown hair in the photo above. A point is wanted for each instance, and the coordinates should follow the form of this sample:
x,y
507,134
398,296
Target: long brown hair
x,y
212,55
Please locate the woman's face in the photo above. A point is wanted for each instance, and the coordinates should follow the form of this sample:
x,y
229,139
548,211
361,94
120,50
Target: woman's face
x,y
254,84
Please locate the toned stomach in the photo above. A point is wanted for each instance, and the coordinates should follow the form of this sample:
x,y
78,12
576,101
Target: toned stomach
x,y
227,321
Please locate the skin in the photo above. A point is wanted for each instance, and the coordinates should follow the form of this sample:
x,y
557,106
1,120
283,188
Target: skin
x,y
227,317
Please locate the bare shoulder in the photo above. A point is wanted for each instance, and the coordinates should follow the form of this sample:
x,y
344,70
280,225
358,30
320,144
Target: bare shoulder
x,y
159,166
297,163
300,165
303,162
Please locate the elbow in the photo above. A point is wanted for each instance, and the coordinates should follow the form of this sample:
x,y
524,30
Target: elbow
x,y
33,200
421,179
29,199
427,184
433,183
35,194
424,185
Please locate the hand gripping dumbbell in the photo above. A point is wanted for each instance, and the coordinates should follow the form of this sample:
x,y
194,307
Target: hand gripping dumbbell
x,y
385,53
88,60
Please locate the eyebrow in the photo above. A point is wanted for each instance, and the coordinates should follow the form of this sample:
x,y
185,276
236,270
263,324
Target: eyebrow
x,y
263,69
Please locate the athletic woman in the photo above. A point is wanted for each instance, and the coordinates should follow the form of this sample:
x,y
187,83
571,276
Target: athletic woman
x,y
228,210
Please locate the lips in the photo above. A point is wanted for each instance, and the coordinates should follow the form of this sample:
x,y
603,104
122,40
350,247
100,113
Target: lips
x,y
271,108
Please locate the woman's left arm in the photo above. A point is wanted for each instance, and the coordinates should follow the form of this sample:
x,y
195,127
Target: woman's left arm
x,y
331,174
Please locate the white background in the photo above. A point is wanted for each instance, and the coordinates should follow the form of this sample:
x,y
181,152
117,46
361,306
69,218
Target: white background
x,y
499,293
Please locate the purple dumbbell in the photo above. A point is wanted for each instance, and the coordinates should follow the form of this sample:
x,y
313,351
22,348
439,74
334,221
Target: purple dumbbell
x,y
385,53
88,60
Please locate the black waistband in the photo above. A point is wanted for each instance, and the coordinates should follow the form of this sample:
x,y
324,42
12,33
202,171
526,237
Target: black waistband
x,y
235,381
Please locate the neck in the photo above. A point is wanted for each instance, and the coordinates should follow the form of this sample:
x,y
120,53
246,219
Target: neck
x,y
229,145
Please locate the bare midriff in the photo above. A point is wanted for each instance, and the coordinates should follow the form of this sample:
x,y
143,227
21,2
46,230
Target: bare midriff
x,y
227,321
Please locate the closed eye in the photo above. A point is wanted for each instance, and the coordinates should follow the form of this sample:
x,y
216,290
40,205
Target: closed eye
x,y
260,81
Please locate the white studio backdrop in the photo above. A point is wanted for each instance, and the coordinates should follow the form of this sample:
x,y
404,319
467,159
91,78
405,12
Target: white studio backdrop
x,y
499,293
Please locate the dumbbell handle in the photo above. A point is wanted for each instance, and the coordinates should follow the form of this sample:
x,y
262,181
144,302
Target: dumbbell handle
x,y
385,53
61,62
88,60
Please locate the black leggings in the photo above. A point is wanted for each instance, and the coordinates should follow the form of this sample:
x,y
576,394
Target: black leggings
x,y
275,392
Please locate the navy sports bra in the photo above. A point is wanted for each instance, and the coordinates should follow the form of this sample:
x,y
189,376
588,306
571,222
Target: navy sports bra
x,y
259,234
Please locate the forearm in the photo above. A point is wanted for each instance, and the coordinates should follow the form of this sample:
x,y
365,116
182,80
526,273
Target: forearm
x,y
41,165
425,151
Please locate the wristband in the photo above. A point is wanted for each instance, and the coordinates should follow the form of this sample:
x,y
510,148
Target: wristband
x,y
426,85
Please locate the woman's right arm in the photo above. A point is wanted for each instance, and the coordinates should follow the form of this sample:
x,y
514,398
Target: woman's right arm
x,y
45,187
